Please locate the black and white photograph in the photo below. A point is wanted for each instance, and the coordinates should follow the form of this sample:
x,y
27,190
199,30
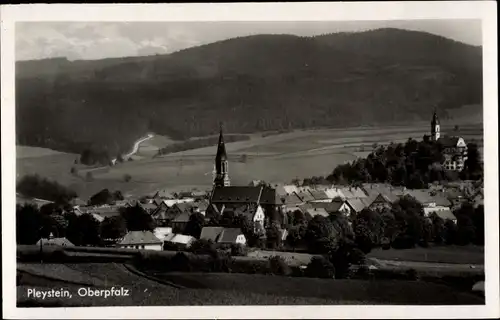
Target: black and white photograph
x,y
229,158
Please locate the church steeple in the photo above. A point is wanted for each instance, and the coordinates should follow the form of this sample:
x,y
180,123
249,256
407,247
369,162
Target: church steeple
x,y
221,178
435,127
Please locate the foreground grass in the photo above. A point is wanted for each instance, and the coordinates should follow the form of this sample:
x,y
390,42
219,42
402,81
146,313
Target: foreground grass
x,y
373,292
444,254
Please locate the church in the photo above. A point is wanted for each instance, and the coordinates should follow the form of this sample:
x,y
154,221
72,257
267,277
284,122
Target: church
x,y
258,203
454,147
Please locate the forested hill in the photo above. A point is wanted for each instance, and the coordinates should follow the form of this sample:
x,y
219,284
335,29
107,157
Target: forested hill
x,y
253,83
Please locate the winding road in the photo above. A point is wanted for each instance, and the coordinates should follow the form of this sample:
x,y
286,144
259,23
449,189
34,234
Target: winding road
x,y
137,144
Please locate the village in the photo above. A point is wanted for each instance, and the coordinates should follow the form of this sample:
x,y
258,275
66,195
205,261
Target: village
x,y
266,215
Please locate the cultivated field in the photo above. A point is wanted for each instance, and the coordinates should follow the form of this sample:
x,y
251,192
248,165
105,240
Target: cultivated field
x,y
273,158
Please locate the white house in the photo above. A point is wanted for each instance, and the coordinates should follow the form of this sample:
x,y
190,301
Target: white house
x,y
141,240
223,235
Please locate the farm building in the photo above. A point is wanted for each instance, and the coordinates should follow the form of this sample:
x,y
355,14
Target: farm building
x,y
51,241
141,240
222,235
179,240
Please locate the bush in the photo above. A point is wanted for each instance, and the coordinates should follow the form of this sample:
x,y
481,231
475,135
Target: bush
x,y
412,274
181,262
127,178
319,267
278,266
221,262
203,247
238,249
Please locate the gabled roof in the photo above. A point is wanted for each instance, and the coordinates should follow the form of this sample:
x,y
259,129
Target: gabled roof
x,y
356,204
179,238
290,188
229,235
292,199
61,242
334,193
269,197
317,211
149,206
449,141
211,233
165,194
201,205
318,194
183,217
328,206
162,232
140,237
236,194
305,196
445,214
425,197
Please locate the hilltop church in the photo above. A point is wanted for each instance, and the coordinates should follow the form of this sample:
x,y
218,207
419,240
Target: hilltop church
x,y
257,203
454,147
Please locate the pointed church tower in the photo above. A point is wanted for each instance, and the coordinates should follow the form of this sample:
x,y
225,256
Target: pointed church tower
x,y
435,127
221,178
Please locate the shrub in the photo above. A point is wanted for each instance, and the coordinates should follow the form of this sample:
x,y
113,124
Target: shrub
x,y
89,176
238,249
319,267
181,262
221,262
411,274
203,247
278,266
127,178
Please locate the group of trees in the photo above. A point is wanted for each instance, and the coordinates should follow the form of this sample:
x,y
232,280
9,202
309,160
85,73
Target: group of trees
x,y
38,187
413,164
33,223
105,197
401,226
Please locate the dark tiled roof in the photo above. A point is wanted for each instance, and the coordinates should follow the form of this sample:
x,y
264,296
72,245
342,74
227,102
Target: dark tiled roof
x,y
139,237
183,217
211,233
229,235
445,214
356,204
448,141
292,199
269,196
61,242
318,194
305,196
237,194
328,206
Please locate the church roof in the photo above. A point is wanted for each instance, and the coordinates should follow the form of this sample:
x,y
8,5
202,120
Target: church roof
x,y
237,194
435,119
449,141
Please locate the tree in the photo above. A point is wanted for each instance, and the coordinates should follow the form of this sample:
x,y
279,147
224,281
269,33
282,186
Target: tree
x,y
104,197
119,158
273,236
278,266
320,235
296,236
369,229
127,177
478,221
89,176
83,230
195,224
450,234
319,267
28,224
438,229
137,219
472,166
113,228
42,188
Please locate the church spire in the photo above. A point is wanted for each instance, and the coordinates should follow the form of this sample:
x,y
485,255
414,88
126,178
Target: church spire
x,y
435,126
221,165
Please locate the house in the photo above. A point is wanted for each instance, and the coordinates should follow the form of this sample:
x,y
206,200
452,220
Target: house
x,y
319,196
240,199
149,207
291,200
305,196
180,222
454,148
105,211
141,240
200,206
428,198
222,235
355,206
317,212
162,232
51,241
380,202
163,194
179,240
444,214
334,192
165,215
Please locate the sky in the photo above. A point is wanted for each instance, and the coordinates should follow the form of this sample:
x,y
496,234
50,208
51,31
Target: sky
x,y
98,40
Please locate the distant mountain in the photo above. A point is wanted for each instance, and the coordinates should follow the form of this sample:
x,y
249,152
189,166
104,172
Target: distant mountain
x,y
262,82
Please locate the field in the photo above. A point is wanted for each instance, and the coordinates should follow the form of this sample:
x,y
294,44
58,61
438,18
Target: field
x,y
447,254
220,289
273,158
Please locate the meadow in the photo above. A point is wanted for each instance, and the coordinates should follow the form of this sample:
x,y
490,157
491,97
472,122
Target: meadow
x,y
222,289
278,157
